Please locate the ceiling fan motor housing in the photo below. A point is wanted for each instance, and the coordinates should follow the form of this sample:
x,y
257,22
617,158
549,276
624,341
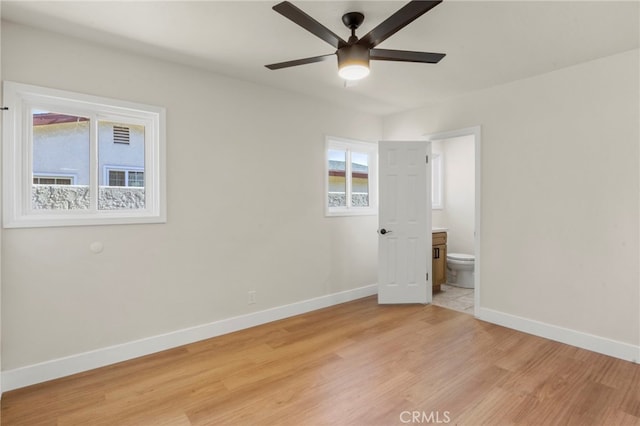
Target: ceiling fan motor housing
x,y
354,54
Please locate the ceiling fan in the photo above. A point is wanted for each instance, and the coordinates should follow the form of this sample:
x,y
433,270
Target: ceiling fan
x,y
354,54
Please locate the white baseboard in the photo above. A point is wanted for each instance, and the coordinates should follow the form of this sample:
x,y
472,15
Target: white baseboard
x,y
602,345
49,370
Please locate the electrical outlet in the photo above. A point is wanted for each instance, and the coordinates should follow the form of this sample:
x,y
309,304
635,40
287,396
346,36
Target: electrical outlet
x,y
252,297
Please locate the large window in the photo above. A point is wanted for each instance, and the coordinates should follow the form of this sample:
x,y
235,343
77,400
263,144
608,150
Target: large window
x,y
74,159
351,177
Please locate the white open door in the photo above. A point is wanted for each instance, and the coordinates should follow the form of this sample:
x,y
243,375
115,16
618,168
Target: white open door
x,y
404,216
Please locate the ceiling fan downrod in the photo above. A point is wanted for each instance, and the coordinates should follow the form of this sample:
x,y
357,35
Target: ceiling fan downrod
x,y
353,20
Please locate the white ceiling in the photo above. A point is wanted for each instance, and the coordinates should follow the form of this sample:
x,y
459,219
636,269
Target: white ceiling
x,y
487,43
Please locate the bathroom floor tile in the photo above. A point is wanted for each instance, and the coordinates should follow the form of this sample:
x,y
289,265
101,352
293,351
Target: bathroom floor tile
x,y
456,298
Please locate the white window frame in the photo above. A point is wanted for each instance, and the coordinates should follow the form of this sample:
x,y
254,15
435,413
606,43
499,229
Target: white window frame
x,y
17,150
437,187
349,145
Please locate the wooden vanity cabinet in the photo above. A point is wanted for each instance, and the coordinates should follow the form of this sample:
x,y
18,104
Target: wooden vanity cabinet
x,y
439,259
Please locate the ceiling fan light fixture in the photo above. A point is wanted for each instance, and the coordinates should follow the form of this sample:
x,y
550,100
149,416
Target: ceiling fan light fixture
x,y
353,62
353,72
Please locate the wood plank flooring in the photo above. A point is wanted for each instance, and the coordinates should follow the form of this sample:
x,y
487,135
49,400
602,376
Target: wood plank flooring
x,y
352,364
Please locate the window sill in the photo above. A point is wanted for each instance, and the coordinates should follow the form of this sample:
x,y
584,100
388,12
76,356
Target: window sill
x,y
352,212
36,221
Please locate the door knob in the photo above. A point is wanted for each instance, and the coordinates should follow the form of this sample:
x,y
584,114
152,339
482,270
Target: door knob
x,y
384,231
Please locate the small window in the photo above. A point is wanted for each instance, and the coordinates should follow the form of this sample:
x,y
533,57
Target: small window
x,y
351,177
52,180
58,141
125,177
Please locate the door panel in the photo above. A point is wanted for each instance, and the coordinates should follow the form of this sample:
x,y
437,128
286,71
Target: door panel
x,y
404,241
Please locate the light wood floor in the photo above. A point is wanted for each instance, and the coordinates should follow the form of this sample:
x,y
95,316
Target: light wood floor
x,y
353,364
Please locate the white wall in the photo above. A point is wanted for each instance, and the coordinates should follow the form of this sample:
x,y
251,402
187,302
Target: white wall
x,y
260,148
560,193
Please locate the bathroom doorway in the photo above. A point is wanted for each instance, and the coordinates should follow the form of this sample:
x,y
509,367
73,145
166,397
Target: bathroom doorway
x,y
456,208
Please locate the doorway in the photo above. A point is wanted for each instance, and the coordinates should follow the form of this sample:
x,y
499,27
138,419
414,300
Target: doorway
x,y
460,238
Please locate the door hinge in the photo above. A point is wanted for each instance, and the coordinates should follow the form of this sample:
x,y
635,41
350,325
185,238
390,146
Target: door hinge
x,y
427,159
427,277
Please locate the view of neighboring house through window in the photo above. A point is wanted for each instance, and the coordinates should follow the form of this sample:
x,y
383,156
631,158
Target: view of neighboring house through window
x,y
61,144
359,179
84,154
121,164
351,177
337,196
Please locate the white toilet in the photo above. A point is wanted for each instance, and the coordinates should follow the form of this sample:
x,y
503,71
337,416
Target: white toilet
x,y
460,269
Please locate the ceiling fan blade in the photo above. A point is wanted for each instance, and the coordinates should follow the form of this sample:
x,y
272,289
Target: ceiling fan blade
x,y
403,17
299,62
405,56
299,17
